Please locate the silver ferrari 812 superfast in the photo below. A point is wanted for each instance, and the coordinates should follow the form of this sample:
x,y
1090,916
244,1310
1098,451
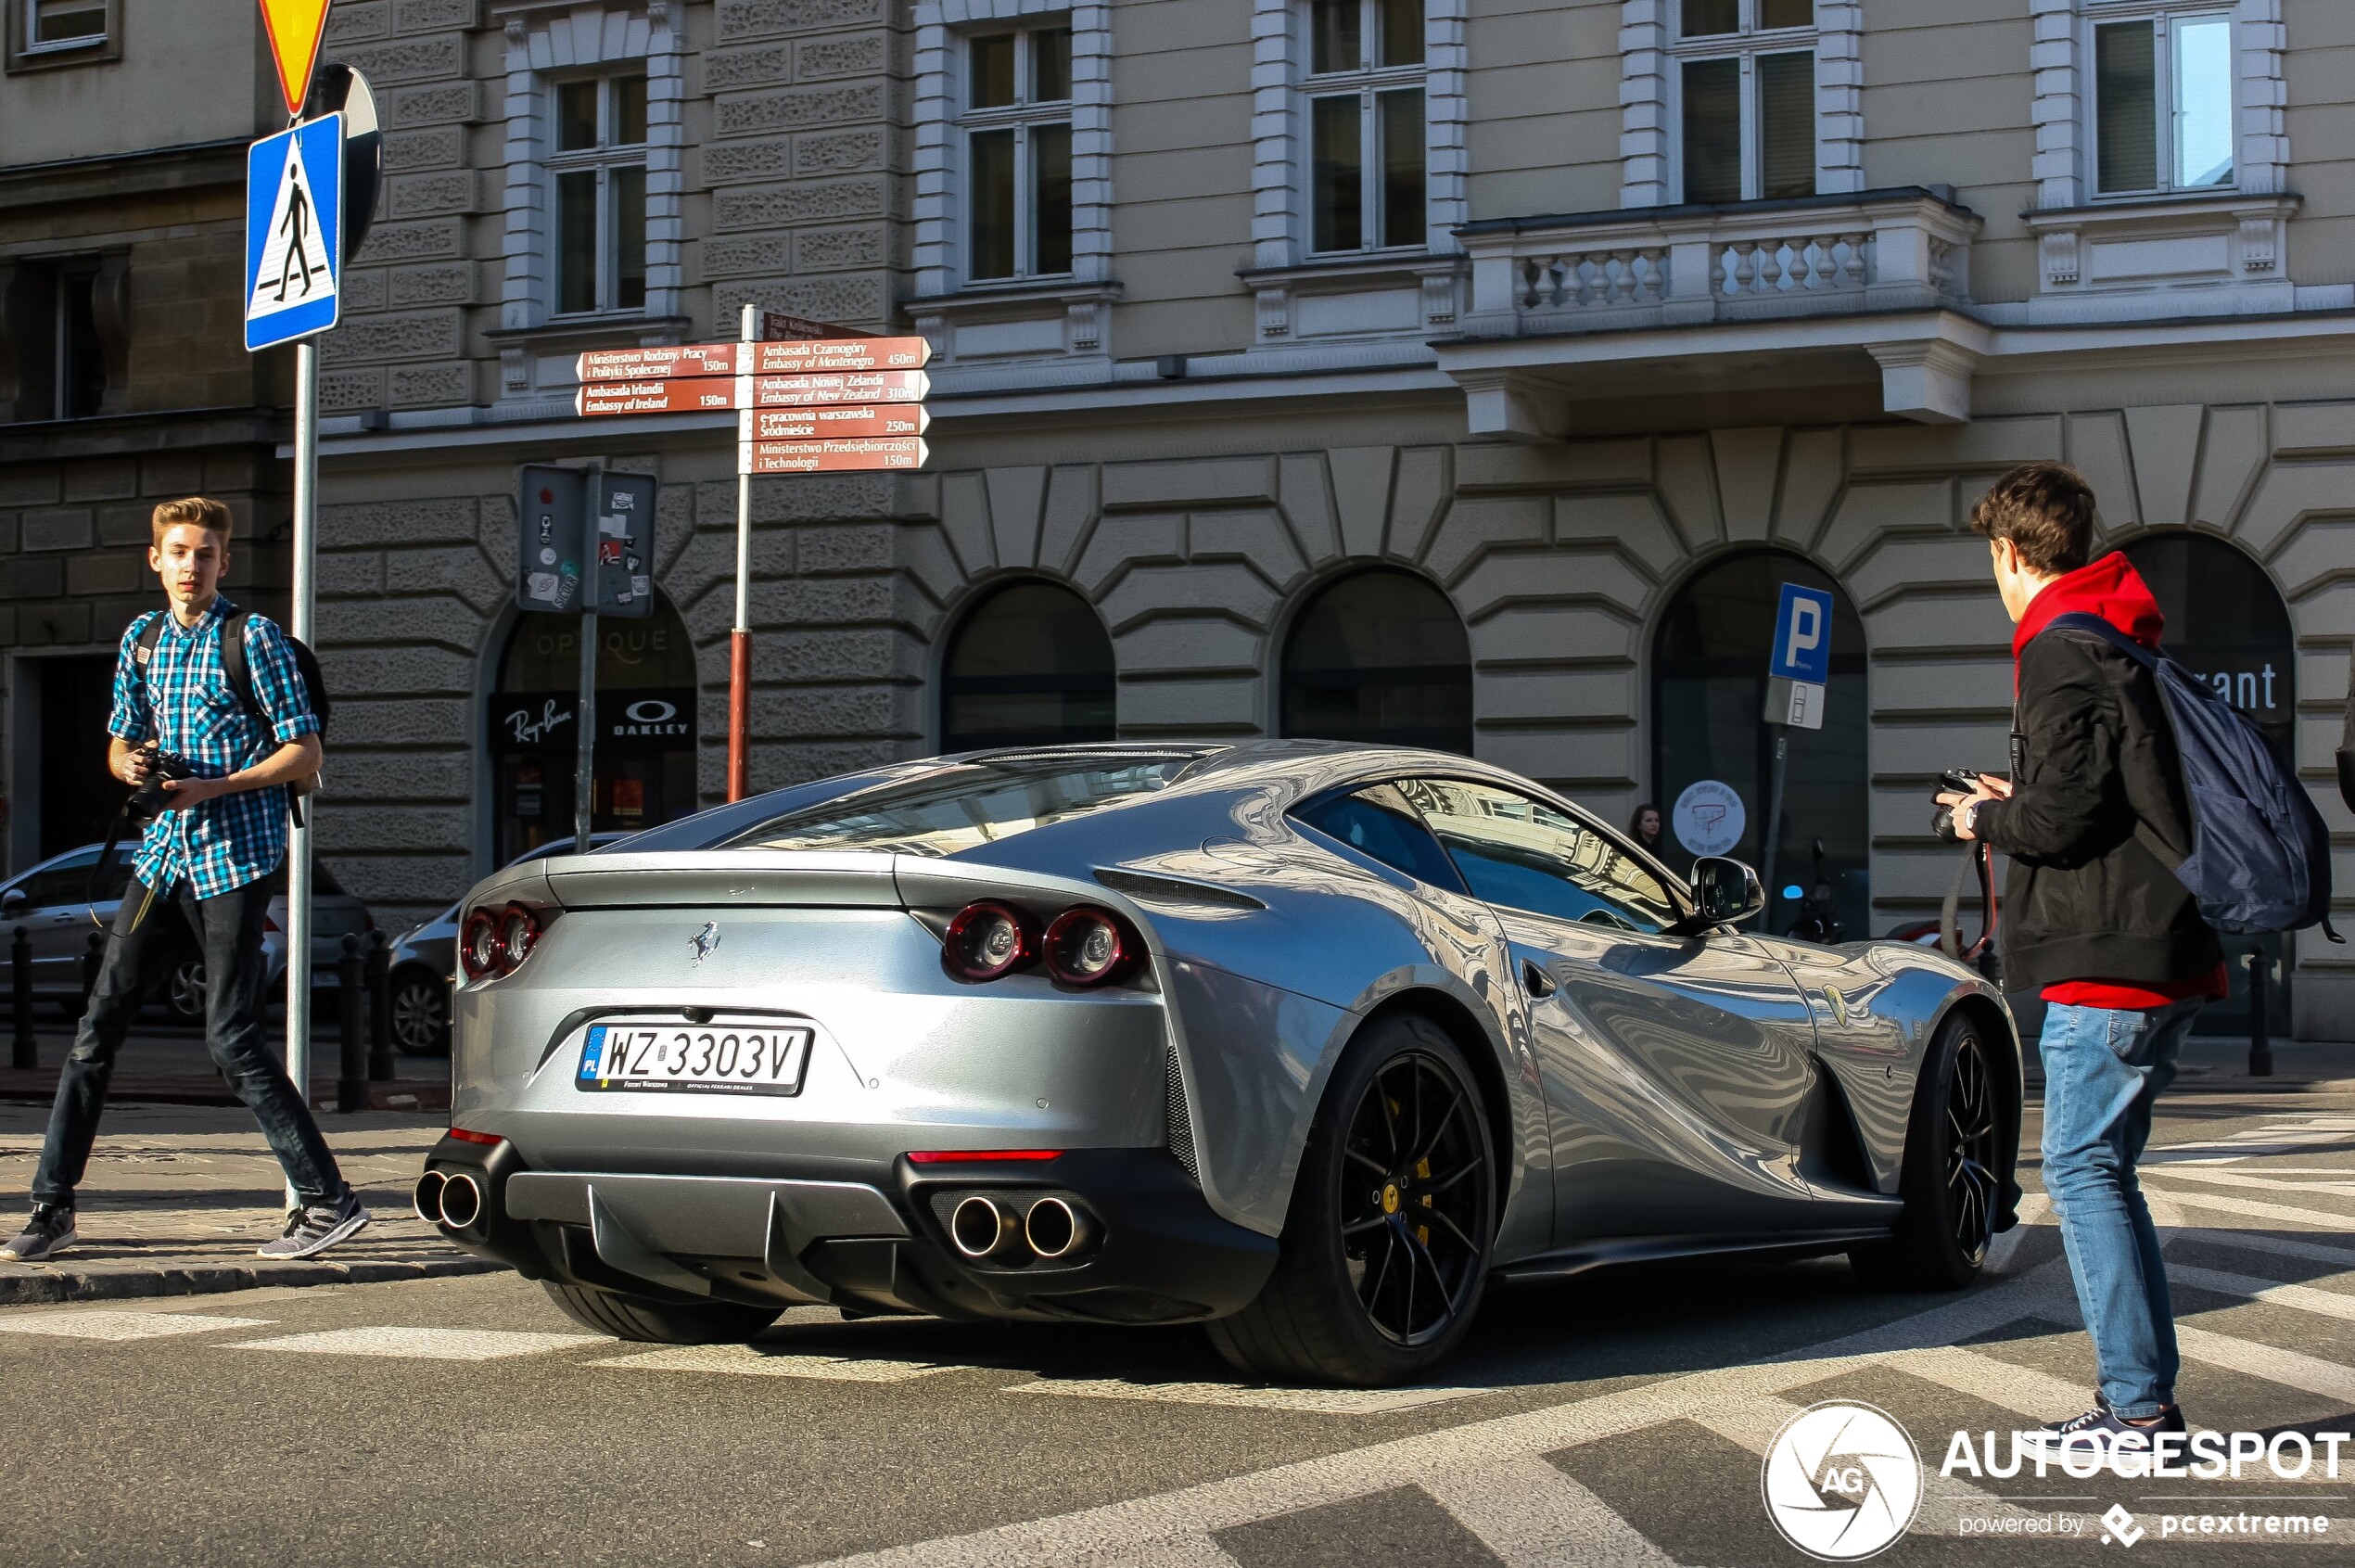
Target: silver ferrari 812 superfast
x,y
1304,1041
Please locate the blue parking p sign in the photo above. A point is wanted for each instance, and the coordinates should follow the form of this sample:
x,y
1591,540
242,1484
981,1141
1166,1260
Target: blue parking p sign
x,y
1802,649
294,233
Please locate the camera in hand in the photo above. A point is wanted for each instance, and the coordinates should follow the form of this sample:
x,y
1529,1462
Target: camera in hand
x,y
151,800
1953,781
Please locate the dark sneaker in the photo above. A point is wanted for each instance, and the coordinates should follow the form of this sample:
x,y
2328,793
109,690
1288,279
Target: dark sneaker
x,y
47,1233
2101,1431
316,1227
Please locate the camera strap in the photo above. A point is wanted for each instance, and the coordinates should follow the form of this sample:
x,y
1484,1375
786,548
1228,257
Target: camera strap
x,y
1976,857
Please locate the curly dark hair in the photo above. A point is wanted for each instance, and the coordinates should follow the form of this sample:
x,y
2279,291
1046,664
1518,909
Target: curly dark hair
x,y
2046,510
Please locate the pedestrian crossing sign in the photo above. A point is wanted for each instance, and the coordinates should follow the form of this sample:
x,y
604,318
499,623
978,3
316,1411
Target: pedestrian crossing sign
x,y
294,233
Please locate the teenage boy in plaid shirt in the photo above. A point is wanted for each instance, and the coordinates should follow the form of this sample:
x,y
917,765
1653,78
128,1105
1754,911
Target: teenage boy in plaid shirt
x,y
213,850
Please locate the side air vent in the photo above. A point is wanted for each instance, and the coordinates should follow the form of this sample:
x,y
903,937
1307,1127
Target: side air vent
x,y
1181,1121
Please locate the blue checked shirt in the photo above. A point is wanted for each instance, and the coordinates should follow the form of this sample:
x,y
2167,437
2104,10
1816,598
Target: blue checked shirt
x,y
185,702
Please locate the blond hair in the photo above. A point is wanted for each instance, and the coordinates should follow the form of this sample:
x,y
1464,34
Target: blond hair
x,y
202,510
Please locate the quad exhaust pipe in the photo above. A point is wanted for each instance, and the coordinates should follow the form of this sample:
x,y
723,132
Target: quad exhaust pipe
x,y
1054,1228
1051,1227
452,1200
981,1226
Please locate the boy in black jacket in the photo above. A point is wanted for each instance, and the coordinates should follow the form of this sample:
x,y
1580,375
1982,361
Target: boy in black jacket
x,y
2095,819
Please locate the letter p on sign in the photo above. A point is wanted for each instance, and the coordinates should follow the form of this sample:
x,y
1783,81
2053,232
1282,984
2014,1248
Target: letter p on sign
x,y
1802,648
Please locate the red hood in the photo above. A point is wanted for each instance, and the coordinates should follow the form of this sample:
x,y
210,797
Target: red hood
x,y
2109,588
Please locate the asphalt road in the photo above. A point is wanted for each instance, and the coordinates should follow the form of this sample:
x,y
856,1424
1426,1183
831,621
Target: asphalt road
x,y
1616,1419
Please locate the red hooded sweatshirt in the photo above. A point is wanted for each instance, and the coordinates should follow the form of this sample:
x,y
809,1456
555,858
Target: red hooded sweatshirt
x,y
2111,588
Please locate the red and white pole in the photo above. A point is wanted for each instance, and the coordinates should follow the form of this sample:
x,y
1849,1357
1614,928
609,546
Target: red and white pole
x,y
740,637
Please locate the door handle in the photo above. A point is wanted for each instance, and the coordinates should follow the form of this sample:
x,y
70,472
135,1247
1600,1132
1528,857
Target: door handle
x,y
1536,981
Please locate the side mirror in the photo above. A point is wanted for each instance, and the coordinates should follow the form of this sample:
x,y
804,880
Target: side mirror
x,y
1727,891
13,903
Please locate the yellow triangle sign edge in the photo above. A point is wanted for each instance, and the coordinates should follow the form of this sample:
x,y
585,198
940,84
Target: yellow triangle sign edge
x,y
296,29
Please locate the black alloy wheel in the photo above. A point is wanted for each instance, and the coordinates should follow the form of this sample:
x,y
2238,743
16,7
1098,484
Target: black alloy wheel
x,y
184,990
420,1008
1960,1145
1386,1251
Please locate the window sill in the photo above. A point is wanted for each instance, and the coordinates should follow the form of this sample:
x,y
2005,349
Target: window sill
x,y
1019,319
1356,296
2228,244
60,56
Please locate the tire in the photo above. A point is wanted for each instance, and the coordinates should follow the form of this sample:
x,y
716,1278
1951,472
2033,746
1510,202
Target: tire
x,y
1335,1309
184,990
659,1322
1957,1168
420,1007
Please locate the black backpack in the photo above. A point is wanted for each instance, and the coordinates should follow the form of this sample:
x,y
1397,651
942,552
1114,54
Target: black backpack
x,y
240,674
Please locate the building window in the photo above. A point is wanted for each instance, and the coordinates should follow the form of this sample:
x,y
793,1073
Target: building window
x,y
1030,665
1380,656
2162,82
598,164
59,317
1367,146
1016,128
64,24
1746,85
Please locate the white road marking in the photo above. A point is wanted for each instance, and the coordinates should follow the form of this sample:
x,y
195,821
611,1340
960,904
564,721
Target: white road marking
x,y
423,1344
1193,1551
747,1359
1530,1515
2243,1179
2303,1218
2291,1368
96,1324
2022,1390
2306,1299
2280,1246
1251,1396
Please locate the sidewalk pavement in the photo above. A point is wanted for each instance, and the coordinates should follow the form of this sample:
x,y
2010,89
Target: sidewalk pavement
x,y
178,1197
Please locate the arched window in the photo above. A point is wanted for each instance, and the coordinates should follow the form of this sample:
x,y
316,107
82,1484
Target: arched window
x,y
1029,665
1709,697
645,747
1380,656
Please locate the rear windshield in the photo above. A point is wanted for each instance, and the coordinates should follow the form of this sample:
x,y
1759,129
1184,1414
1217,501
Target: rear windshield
x,y
967,805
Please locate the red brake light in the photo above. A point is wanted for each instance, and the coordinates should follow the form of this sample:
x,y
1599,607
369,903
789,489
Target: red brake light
x,y
989,939
478,945
518,930
494,941
462,1136
975,1156
1087,945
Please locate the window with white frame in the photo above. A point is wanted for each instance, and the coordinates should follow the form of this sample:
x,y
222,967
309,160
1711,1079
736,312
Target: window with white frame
x,y
64,24
1745,78
1016,133
2161,96
597,167
1367,146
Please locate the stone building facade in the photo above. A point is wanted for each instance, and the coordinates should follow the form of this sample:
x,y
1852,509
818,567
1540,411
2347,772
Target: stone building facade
x,y
1589,320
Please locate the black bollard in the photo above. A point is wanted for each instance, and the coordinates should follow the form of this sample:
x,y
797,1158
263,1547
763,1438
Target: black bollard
x,y
379,963
21,1051
352,1080
90,966
2260,1031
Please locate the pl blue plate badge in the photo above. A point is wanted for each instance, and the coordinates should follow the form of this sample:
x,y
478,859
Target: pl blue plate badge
x,y
294,233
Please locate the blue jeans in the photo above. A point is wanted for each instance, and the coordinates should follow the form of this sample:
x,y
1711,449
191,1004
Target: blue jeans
x,y
2103,1069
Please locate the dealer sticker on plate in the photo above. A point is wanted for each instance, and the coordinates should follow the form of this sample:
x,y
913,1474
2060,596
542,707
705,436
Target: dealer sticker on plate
x,y
697,1058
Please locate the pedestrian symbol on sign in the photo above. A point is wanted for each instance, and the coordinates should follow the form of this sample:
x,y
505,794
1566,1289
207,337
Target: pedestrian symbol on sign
x,y
293,232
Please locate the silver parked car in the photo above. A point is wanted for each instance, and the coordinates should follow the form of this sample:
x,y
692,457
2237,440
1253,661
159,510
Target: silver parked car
x,y
423,965
1301,1041
53,902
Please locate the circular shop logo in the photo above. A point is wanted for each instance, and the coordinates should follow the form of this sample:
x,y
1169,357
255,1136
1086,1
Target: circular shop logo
x,y
653,710
1709,818
1842,1481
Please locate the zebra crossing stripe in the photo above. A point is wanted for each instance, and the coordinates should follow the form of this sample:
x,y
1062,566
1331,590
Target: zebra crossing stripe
x,y
2273,1183
2291,1368
2280,1246
1300,1401
2304,1298
1530,1515
118,1325
2022,1390
752,1359
422,1344
2304,1218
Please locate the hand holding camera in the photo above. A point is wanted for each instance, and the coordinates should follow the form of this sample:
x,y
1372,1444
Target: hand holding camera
x,y
149,771
1959,787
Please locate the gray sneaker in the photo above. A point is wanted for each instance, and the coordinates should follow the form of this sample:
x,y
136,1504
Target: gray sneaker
x,y
316,1227
47,1233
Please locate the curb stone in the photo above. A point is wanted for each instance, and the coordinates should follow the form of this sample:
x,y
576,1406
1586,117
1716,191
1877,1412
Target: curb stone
x,y
42,1285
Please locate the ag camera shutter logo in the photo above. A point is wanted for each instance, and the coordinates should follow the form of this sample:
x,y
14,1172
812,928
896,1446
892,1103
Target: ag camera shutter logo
x,y
1842,1481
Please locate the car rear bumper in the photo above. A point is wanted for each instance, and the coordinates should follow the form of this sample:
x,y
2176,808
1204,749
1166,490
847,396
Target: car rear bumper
x,y
1145,1247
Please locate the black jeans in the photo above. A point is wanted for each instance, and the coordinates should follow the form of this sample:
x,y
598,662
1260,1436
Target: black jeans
x,y
228,930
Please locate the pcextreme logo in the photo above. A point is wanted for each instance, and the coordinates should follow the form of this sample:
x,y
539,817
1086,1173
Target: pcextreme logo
x,y
1842,1481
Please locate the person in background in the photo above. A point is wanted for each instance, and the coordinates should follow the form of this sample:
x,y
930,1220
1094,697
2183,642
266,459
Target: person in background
x,y
2094,818
1643,826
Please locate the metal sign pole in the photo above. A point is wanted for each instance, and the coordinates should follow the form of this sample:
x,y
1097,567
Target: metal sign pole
x,y
303,596
584,767
739,636
1775,821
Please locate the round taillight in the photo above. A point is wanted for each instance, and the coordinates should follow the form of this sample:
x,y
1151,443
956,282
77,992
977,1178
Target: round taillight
x,y
518,929
987,940
1090,946
479,946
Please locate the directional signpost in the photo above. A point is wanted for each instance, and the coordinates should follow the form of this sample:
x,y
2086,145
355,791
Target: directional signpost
x,y
810,398
1798,667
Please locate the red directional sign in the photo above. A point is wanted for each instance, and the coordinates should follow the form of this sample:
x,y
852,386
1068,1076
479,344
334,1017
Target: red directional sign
x,y
831,423
781,323
800,356
831,456
692,394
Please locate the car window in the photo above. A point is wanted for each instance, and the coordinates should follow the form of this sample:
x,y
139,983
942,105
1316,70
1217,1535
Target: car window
x,y
66,882
965,805
1526,855
1378,822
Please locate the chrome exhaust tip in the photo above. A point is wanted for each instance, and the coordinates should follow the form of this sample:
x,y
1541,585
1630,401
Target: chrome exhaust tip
x,y
461,1202
981,1226
426,1197
1054,1228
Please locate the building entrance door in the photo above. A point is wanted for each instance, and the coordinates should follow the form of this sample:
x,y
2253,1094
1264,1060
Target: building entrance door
x,y
79,797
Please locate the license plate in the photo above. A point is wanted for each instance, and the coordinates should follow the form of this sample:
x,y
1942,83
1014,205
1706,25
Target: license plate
x,y
696,1058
